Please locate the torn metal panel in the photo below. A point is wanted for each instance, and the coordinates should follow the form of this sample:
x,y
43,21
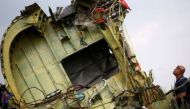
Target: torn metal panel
x,y
30,9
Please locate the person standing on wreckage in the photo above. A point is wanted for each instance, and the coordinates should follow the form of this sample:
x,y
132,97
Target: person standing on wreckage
x,y
182,91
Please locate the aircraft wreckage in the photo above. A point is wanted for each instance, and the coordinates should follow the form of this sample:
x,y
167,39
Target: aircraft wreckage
x,y
79,57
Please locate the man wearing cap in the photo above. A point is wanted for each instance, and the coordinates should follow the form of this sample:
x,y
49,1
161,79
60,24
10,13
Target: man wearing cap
x,y
181,94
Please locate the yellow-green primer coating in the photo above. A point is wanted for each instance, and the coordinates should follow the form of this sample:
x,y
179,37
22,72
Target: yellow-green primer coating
x,y
33,48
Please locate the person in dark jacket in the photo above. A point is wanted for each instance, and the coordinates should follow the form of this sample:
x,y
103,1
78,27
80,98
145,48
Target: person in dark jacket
x,y
181,94
1,95
5,96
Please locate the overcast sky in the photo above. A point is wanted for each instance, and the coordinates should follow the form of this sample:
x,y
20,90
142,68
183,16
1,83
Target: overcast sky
x,y
159,31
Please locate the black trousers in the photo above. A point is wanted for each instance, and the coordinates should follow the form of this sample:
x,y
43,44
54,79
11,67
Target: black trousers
x,y
5,106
